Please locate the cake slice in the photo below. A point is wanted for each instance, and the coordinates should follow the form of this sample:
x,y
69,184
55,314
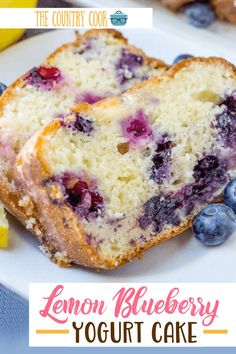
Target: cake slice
x,y
99,64
115,178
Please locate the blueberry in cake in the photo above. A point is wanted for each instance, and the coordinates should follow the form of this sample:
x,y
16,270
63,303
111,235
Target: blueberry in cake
x,y
112,179
99,64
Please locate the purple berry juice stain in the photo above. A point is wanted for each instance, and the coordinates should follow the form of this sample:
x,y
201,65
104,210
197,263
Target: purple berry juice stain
x,y
137,128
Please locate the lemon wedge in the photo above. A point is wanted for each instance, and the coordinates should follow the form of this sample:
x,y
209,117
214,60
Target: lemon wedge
x,y
4,227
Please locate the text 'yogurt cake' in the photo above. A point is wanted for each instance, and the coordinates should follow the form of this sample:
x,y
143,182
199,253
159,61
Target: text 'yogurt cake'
x,y
115,178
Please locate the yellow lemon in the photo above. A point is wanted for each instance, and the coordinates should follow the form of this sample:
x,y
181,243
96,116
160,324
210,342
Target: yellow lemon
x,y
4,227
10,36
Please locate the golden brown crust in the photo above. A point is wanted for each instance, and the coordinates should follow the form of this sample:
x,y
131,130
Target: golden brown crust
x,y
9,93
225,9
10,198
175,5
31,166
176,68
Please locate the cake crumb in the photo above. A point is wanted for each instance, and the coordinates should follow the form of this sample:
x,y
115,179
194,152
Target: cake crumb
x,y
24,201
30,223
60,256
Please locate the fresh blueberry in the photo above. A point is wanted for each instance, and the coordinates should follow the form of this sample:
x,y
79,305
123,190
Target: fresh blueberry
x,y
200,15
181,57
230,195
214,224
3,87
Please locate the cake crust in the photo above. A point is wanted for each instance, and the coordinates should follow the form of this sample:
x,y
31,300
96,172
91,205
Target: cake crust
x,y
225,9
175,5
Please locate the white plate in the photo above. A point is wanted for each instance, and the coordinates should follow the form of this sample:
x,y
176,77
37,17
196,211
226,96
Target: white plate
x,y
178,260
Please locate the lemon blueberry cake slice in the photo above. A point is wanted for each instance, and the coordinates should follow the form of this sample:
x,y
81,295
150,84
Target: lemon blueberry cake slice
x,y
115,178
99,64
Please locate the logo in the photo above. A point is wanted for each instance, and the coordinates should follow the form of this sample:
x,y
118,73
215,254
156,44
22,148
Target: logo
x,y
119,18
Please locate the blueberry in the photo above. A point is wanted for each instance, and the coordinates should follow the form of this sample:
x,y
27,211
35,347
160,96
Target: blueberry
x,y
44,77
80,124
160,210
226,121
136,127
86,202
82,196
161,160
181,57
89,97
200,15
3,87
209,174
83,125
207,168
230,195
127,65
214,224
